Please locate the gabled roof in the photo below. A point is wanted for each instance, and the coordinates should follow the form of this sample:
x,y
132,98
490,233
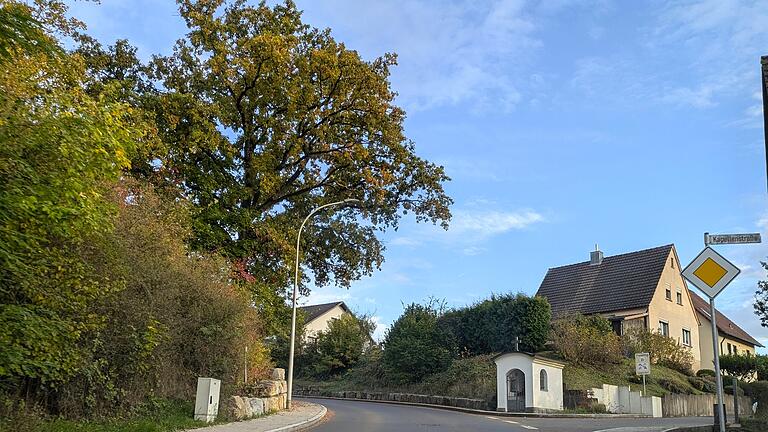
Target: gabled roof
x,y
724,324
314,311
620,282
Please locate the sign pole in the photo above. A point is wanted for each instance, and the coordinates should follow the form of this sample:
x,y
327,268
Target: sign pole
x,y
644,393
718,375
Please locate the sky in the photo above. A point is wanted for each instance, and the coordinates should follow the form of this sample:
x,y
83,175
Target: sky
x,y
563,124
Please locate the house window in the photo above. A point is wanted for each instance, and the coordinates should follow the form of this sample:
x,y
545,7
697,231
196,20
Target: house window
x,y
679,298
664,328
669,294
543,385
686,337
730,349
735,350
672,261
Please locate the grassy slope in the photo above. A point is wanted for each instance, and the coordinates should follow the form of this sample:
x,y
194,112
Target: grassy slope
x,y
475,377
169,416
585,377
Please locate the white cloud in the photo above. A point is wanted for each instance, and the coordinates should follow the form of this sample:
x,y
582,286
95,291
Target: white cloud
x,y
381,329
404,241
488,223
473,250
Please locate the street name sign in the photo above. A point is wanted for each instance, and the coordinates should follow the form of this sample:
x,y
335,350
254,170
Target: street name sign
x,y
710,272
643,363
716,239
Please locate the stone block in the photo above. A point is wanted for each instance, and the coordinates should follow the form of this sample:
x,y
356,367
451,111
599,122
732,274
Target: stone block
x,y
257,406
239,408
265,388
278,374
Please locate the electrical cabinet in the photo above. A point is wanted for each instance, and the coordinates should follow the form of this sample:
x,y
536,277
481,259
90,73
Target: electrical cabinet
x,y
207,400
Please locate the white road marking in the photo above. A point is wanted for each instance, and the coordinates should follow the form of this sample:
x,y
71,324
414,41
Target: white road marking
x,y
529,427
510,421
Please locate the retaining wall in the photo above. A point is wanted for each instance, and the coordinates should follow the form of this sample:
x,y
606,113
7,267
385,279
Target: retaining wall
x,y
478,404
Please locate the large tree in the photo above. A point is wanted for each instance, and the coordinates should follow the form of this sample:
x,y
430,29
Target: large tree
x,y
265,118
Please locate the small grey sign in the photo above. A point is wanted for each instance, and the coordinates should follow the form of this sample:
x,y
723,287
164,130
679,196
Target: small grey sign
x,y
714,239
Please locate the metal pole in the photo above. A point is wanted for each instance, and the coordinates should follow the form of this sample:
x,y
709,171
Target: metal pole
x,y
718,376
246,365
295,293
735,400
644,393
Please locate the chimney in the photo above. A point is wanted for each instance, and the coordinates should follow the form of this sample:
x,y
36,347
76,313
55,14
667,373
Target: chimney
x,y
596,256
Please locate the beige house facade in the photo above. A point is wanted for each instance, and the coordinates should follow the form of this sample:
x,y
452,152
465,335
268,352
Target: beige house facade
x,y
732,339
319,316
640,290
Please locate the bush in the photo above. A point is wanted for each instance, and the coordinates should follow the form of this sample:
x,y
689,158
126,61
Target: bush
x,y
759,392
413,346
338,348
491,325
664,350
705,372
702,384
586,340
741,366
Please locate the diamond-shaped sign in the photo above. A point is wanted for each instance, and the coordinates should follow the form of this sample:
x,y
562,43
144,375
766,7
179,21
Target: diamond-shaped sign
x,y
710,272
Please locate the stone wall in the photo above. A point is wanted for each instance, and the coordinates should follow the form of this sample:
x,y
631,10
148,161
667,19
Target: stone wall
x,y
477,404
259,398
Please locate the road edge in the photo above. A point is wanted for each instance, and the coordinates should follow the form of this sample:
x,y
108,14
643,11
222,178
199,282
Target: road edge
x,y
305,424
481,412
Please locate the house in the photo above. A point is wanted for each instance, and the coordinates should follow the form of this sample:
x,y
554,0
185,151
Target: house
x,y
732,338
636,290
318,316
642,290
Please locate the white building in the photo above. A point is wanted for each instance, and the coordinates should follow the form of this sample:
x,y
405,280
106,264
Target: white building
x,y
528,383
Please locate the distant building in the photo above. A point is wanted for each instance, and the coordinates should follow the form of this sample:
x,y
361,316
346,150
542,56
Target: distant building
x,y
644,290
319,316
732,338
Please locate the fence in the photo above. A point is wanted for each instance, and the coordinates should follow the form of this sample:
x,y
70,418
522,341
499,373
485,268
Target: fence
x,y
682,405
477,404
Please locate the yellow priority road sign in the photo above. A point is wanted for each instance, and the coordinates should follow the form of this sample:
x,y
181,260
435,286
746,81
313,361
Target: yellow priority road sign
x,y
710,272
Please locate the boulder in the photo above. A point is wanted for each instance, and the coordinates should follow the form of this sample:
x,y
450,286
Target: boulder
x,y
278,374
257,406
265,388
239,408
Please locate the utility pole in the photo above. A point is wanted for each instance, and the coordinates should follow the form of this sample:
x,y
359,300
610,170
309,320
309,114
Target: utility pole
x,y
764,85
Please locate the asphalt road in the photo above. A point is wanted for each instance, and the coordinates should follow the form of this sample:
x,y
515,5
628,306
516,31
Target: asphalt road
x,y
349,416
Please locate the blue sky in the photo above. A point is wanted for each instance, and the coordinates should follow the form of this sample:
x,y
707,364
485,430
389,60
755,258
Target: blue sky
x,y
562,123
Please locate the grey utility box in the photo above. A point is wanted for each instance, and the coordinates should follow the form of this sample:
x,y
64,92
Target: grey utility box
x,y
207,400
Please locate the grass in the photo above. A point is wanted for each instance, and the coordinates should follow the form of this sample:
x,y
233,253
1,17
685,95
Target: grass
x,y
166,416
657,384
475,377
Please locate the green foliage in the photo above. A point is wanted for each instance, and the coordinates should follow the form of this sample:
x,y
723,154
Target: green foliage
x,y
20,32
759,392
586,340
741,366
338,348
705,372
664,350
58,148
265,118
761,299
414,347
491,325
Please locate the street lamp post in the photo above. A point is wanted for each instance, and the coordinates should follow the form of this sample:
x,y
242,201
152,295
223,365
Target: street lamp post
x,y
296,289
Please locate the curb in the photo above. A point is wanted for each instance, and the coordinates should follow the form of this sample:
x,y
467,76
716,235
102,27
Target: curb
x,y
483,412
303,425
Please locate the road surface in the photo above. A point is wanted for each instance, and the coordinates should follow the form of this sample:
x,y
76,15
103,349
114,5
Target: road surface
x,y
353,416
